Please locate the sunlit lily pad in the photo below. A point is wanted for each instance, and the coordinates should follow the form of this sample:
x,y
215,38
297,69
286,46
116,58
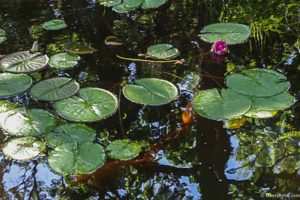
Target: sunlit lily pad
x,y
260,114
79,48
70,133
221,104
130,5
54,89
153,3
23,148
150,91
2,35
22,122
75,159
162,51
91,104
109,3
232,33
55,24
258,82
64,60
123,149
23,62
13,84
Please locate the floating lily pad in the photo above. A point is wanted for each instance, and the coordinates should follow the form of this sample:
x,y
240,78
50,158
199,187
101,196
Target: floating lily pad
x,y
258,82
14,84
162,51
109,3
127,6
22,122
55,24
75,159
70,133
260,114
221,105
91,104
153,3
64,60
79,48
2,35
150,91
23,62
23,148
54,89
232,33
123,149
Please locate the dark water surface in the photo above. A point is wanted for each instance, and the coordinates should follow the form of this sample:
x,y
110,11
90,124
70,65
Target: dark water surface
x,y
198,160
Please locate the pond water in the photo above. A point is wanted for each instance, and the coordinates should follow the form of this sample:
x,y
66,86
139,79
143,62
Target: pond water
x,y
183,157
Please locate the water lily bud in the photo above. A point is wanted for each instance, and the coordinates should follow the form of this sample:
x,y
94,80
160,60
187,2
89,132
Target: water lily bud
x,y
219,47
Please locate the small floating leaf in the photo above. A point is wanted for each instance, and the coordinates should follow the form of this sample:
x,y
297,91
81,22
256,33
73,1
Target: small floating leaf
x,y
23,148
109,3
220,105
64,60
13,84
153,3
261,113
75,159
24,62
123,149
151,91
258,82
91,104
54,89
70,133
2,35
162,51
21,122
55,24
127,6
79,48
232,33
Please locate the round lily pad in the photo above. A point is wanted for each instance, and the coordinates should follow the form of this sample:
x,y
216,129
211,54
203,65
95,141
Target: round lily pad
x,y
221,104
127,6
123,149
232,33
70,133
91,104
150,91
22,122
23,62
55,24
2,35
14,84
64,60
23,148
162,51
75,159
55,89
80,48
258,82
153,3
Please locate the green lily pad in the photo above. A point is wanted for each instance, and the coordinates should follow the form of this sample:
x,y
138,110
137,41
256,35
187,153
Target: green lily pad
x,y
2,35
260,114
109,3
70,133
22,122
127,6
221,105
55,24
23,148
64,60
151,91
91,104
123,149
54,89
162,51
80,48
75,159
23,62
232,33
258,82
14,84
148,4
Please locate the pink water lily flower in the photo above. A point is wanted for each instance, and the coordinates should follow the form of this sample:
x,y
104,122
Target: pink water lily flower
x,y
219,47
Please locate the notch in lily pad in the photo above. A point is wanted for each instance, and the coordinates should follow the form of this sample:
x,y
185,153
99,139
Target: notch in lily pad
x,y
123,149
24,148
14,84
55,24
151,91
232,33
